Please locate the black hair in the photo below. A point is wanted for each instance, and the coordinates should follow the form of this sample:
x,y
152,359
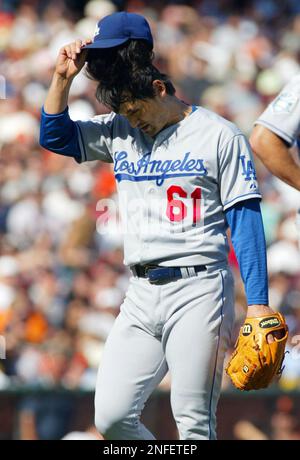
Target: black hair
x,y
125,73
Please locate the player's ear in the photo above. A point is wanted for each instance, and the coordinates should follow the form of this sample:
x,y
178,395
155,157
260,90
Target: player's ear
x,y
159,88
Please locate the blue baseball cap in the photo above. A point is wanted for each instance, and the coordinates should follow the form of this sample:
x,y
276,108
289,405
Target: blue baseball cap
x,y
118,28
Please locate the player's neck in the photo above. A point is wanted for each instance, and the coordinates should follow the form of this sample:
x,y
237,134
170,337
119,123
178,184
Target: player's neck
x,y
177,111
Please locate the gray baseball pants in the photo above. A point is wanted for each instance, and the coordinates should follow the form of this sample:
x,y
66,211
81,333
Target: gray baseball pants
x,y
185,327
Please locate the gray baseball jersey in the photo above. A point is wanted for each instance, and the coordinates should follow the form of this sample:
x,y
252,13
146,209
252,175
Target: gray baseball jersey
x,y
282,116
180,183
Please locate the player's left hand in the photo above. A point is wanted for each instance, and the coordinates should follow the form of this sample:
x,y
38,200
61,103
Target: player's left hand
x,y
261,310
259,350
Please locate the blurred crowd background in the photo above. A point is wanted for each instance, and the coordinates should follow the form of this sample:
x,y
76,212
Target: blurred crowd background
x,y
61,280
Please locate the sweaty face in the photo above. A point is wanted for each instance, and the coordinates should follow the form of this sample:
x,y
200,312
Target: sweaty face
x,y
146,115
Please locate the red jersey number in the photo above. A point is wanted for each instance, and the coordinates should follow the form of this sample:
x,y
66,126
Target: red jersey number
x,y
177,210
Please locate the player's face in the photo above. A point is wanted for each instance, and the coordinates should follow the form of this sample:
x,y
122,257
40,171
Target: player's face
x,y
150,115
144,114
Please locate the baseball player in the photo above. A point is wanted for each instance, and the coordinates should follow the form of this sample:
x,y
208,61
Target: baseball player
x,y
276,131
197,168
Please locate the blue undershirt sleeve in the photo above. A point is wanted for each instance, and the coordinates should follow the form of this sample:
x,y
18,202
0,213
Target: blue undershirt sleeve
x,y
58,133
248,240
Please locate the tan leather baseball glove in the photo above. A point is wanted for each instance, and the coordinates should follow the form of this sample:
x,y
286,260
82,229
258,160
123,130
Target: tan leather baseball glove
x,y
256,360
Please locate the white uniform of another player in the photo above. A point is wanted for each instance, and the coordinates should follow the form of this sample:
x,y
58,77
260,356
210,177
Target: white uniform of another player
x,y
192,171
282,117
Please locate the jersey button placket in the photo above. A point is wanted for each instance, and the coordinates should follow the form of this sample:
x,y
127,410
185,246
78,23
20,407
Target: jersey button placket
x,y
150,192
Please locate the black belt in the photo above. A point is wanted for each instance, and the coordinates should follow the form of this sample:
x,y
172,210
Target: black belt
x,y
161,275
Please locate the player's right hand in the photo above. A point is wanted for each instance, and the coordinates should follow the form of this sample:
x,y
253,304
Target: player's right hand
x,y
71,59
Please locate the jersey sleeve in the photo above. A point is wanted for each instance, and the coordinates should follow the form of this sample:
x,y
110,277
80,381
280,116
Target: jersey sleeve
x,y
237,175
282,116
248,239
59,135
82,140
95,138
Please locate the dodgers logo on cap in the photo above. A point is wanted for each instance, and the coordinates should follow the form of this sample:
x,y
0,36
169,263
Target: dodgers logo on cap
x,y
97,30
118,28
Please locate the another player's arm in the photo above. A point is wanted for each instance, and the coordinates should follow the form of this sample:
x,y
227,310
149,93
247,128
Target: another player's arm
x,y
275,154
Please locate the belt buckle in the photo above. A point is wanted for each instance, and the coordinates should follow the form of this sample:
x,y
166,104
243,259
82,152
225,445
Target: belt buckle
x,y
147,268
